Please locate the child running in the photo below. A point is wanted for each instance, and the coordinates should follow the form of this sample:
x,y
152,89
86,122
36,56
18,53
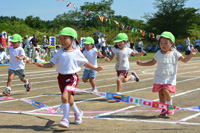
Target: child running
x,y
122,54
165,75
16,66
69,62
90,53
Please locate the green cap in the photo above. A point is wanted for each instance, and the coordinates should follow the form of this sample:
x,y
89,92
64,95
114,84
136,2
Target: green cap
x,y
166,34
88,40
16,38
68,31
121,37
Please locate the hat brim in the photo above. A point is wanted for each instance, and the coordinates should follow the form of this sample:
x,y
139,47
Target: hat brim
x,y
159,36
118,40
14,41
87,43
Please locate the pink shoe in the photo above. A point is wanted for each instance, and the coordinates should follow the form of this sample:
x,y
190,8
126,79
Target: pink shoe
x,y
170,111
163,113
136,76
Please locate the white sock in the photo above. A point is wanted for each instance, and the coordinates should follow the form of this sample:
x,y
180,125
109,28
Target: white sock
x,y
93,88
26,82
75,109
66,109
132,77
8,88
169,102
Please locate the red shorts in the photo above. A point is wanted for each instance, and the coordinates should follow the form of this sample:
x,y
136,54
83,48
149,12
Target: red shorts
x,y
158,87
67,80
123,72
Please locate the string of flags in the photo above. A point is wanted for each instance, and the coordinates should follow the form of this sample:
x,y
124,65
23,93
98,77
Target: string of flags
x,y
102,18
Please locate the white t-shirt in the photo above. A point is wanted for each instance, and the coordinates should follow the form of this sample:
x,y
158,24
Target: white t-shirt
x,y
188,41
3,56
103,43
122,62
37,55
91,55
167,67
16,64
69,62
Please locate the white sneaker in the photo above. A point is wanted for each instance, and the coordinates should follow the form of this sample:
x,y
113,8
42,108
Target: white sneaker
x,y
64,123
136,78
78,117
94,90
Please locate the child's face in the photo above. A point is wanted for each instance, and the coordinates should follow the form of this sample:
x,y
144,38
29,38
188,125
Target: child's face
x,y
121,44
15,44
88,46
165,44
66,42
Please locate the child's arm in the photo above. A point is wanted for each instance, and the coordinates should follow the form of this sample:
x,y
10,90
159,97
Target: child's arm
x,y
99,54
149,63
47,65
186,59
138,54
110,58
90,66
20,58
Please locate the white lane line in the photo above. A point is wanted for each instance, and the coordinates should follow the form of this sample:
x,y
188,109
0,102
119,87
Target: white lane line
x,y
189,117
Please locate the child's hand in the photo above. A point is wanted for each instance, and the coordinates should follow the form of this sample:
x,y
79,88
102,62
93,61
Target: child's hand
x,y
17,57
107,59
99,68
139,62
194,51
39,64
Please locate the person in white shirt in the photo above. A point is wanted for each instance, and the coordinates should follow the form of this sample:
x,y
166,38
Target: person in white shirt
x,y
3,57
122,53
197,43
165,75
56,50
103,44
16,66
69,62
90,53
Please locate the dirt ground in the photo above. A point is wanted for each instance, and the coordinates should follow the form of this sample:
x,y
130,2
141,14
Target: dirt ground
x,y
112,116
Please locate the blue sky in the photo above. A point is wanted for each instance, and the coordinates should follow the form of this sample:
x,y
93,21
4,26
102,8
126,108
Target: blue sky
x,y
49,9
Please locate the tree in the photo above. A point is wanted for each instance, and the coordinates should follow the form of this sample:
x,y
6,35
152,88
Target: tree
x,y
172,16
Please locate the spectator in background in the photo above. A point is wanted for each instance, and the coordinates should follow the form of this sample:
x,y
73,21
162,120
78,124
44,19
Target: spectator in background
x,y
149,48
103,44
3,57
3,40
188,41
127,44
140,45
28,46
33,43
56,50
197,43
97,42
44,42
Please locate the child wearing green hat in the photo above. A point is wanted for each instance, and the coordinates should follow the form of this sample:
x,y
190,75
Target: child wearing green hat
x,y
165,75
17,65
122,53
69,60
90,53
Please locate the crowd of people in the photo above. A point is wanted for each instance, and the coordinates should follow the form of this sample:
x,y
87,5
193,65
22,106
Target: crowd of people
x,y
70,58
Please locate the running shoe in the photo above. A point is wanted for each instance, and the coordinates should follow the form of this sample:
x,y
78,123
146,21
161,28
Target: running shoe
x,y
7,91
64,123
136,76
170,111
78,117
163,113
94,90
28,86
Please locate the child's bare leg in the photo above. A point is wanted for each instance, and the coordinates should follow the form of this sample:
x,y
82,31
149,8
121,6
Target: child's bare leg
x,y
126,79
92,82
66,96
24,80
119,83
85,80
10,78
161,96
167,94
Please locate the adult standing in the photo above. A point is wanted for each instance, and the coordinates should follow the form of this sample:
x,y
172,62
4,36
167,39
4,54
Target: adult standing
x,y
197,43
96,42
188,41
45,42
140,45
33,43
103,44
3,40
28,46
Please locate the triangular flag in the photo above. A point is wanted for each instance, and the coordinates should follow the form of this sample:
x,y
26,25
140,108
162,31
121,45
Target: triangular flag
x,y
74,6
